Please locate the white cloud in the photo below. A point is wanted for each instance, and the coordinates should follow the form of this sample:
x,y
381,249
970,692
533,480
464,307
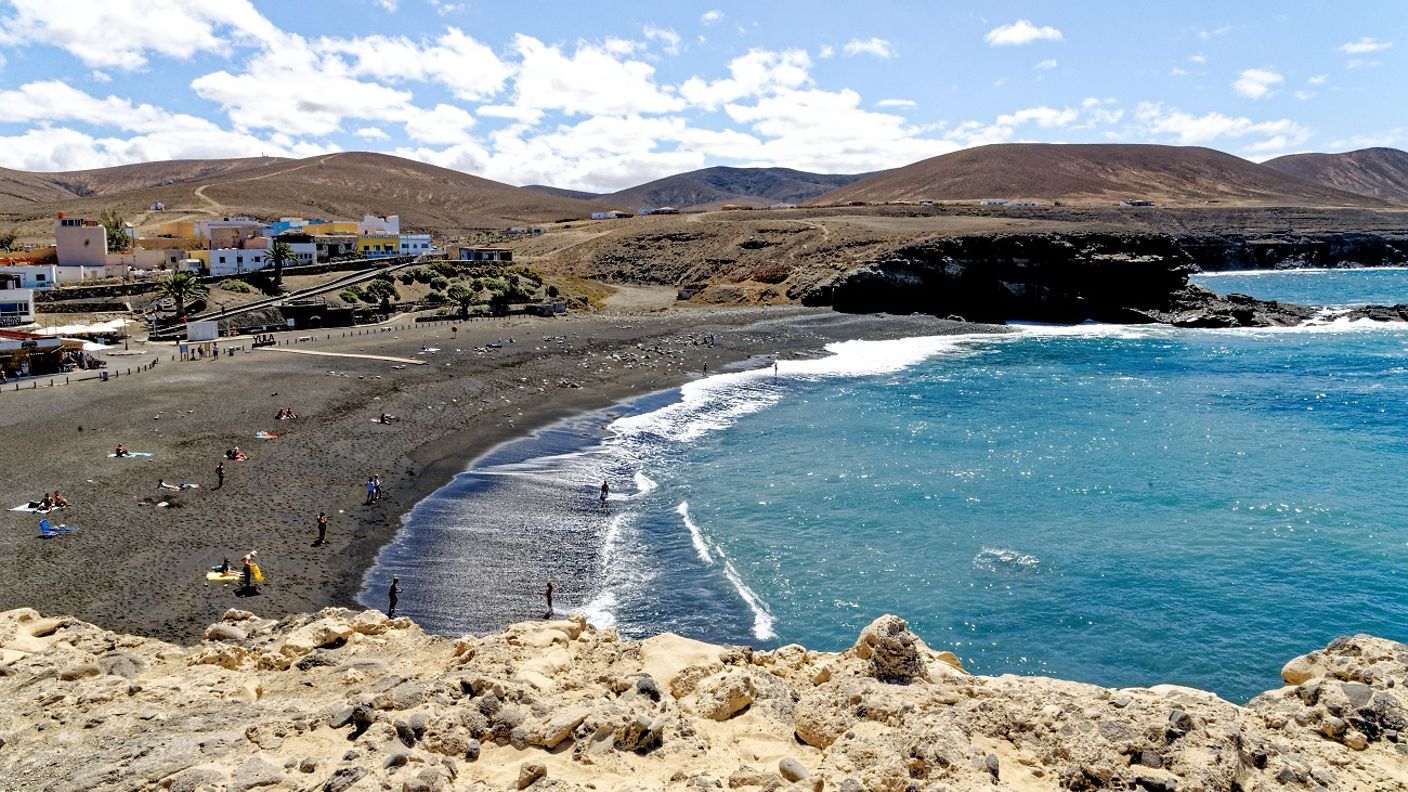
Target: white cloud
x,y
669,40
97,76
1305,95
757,73
826,51
1361,63
1256,83
1021,32
1364,46
445,8
446,125
1198,58
1177,72
906,103
1046,65
1214,33
456,60
273,93
878,47
371,133
1190,130
119,33
711,16
1318,79
389,6
591,81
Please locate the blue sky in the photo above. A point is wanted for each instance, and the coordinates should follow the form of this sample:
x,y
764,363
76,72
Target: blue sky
x,y
604,95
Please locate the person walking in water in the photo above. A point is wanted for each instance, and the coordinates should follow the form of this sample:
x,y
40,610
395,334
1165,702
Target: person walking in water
x,y
605,492
391,596
220,475
322,528
547,592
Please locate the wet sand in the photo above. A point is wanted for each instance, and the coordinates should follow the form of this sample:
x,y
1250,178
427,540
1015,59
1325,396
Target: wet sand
x,y
137,566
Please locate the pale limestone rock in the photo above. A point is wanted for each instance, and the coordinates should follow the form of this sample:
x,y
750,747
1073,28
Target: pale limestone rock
x,y
721,696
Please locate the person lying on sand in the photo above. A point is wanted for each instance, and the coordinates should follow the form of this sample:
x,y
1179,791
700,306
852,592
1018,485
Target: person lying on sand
x,y
225,567
236,454
60,502
386,418
121,451
46,503
285,413
161,484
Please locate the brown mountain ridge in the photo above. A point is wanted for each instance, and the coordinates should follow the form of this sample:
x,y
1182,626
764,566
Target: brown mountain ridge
x,y
1096,174
1379,172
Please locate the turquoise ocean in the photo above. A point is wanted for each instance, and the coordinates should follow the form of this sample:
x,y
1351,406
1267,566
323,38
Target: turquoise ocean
x,y
1124,506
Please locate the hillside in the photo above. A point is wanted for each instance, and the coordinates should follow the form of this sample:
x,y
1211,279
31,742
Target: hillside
x,y
20,187
711,188
562,192
1378,172
1094,174
428,198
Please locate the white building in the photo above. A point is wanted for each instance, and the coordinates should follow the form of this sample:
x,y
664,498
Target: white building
x,y
372,224
16,307
416,245
31,276
611,215
994,202
305,252
234,261
239,225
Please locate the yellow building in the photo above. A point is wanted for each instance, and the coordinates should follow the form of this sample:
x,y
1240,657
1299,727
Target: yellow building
x,y
181,229
379,245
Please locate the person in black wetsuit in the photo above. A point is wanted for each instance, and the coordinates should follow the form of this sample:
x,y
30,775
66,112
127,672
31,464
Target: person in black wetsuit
x,y
322,528
548,593
391,595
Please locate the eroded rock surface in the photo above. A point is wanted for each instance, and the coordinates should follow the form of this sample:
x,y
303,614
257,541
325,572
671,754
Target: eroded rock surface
x,y
343,701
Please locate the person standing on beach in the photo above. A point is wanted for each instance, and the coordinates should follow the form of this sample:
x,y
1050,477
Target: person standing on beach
x,y
376,484
547,592
391,596
220,475
371,490
322,528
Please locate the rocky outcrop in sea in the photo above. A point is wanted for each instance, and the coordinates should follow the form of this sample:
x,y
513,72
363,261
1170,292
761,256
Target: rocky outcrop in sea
x,y
342,701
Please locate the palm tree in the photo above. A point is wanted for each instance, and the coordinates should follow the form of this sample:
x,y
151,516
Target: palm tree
x,y
281,253
181,287
462,294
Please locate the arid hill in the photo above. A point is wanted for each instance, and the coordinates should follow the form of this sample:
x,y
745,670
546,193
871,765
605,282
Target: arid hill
x,y
1095,174
20,187
562,192
711,188
428,198
1379,172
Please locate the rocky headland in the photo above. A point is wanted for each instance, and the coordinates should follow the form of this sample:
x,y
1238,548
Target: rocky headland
x,y
342,700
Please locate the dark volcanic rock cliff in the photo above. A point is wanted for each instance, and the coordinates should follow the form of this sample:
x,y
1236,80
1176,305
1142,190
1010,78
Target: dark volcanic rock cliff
x,y
1118,278
1220,252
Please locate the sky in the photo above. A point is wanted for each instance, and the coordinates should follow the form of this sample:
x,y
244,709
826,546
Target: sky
x,y
604,95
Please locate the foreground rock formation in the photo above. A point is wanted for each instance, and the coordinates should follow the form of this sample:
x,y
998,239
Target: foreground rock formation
x,y
341,700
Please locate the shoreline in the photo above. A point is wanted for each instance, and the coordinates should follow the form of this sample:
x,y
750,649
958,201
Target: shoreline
x,y
135,564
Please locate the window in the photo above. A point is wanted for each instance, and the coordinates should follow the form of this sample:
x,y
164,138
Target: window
x,y
222,259
239,259
39,278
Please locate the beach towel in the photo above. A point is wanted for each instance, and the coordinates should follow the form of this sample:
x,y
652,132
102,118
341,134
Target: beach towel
x,y
256,574
131,454
228,577
266,436
25,507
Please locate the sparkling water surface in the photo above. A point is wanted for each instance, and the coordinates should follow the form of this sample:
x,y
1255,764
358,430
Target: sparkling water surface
x,y
1329,288
1121,506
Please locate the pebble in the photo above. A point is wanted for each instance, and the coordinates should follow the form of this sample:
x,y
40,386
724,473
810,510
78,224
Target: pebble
x,y
792,769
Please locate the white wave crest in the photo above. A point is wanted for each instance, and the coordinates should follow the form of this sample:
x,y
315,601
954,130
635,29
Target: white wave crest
x,y
695,536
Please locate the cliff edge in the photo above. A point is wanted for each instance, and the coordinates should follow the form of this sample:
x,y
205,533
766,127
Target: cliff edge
x,y
342,700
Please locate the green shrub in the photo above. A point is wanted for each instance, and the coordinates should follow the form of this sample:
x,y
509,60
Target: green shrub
x,y
407,278
439,283
350,296
236,286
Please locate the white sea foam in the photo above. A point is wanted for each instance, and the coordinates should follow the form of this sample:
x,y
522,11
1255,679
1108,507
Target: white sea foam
x,y
762,619
644,484
696,537
618,572
714,403
993,559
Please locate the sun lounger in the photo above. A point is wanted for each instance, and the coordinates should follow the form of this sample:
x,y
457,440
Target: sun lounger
x,y
46,530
